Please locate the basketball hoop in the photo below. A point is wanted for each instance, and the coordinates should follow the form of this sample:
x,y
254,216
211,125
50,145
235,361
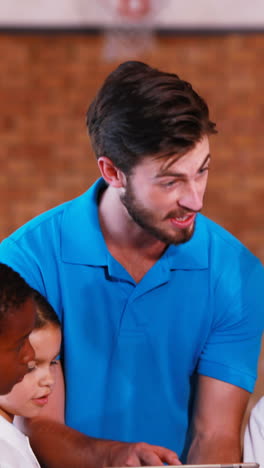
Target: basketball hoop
x,y
133,9
132,27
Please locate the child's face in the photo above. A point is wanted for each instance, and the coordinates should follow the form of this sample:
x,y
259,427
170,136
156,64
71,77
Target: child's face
x,y
15,348
29,396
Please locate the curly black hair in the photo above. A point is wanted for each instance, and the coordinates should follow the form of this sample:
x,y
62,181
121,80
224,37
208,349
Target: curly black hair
x,y
14,291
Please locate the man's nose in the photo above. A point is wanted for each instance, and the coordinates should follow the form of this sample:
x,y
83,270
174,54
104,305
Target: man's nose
x,y
27,353
192,197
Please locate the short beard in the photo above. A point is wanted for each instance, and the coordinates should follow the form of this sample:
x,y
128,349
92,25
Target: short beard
x,y
144,218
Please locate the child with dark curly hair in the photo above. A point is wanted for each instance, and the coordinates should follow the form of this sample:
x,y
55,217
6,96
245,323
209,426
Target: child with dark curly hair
x,y
17,319
28,398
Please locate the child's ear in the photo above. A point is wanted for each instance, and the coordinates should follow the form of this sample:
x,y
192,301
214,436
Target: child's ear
x,y
111,174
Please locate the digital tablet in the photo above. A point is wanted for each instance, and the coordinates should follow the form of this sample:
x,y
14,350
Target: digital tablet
x,y
225,465
214,465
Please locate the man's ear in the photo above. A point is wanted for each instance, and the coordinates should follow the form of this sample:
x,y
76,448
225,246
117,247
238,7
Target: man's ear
x,y
111,174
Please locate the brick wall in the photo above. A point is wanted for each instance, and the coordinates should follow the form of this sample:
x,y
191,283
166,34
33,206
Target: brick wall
x,y
47,82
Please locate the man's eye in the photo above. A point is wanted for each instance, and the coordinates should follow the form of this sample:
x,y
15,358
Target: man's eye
x,y
169,183
204,169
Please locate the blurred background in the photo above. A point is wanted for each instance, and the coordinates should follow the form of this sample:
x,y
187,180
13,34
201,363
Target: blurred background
x,y
54,57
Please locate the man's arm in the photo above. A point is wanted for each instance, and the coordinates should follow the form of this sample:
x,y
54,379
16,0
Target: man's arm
x,y
216,425
57,445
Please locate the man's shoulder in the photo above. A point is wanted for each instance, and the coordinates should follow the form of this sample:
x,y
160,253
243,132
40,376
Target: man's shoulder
x,y
46,220
39,222
66,233
72,211
224,246
43,218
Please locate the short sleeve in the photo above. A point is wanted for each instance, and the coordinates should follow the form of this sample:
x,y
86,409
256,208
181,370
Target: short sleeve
x,y
233,345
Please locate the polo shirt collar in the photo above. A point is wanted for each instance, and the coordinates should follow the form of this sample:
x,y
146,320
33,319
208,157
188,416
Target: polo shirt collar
x,y
83,243
82,239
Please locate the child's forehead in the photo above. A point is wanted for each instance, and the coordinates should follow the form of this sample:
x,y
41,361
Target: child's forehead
x,y
46,342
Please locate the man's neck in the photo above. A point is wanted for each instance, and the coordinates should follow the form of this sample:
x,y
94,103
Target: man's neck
x,y
120,231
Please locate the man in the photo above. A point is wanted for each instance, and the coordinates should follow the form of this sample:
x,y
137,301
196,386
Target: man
x,y
17,319
162,310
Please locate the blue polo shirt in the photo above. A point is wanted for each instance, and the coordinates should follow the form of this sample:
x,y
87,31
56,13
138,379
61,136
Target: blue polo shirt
x,y
131,352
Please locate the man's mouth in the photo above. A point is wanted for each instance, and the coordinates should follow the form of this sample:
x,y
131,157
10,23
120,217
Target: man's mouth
x,y
183,222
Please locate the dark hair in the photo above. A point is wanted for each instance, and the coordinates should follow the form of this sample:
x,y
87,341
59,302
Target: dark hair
x,y
14,291
141,111
45,313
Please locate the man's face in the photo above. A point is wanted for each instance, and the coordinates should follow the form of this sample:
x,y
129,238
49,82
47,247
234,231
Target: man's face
x,y
163,196
15,349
